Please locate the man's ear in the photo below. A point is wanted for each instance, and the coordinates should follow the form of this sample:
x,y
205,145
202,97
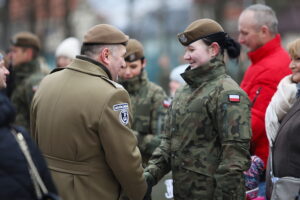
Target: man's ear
x,y
103,56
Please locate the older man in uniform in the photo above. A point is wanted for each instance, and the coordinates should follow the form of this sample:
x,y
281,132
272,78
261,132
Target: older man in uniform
x,y
146,97
81,122
26,74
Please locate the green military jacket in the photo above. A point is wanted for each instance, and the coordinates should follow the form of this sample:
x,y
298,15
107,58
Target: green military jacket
x,y
206,144
148,112
27,77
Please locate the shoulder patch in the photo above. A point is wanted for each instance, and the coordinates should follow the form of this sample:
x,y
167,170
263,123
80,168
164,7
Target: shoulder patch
x,y
235,98
123,115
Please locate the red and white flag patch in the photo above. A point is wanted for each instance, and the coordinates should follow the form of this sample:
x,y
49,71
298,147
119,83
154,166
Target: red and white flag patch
x,y
234,98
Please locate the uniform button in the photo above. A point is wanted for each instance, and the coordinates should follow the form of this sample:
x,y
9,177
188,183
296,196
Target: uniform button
x,y
173,129
182,164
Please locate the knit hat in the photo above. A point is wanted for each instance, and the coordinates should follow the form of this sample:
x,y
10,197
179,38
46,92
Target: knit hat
x,y
134,51
26,39
105,34
199,29
69,47
175,73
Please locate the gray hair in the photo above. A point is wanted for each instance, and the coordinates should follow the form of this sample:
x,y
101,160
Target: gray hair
x,y
94,49
264,15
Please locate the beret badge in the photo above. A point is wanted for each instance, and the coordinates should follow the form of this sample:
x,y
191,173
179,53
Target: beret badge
x,y
182,38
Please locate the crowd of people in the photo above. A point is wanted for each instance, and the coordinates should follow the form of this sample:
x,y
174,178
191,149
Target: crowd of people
x,y
96,127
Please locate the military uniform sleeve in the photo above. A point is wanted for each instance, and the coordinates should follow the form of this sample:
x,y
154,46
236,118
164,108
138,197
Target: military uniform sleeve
x,y
120,145
233,123
150,141
159,163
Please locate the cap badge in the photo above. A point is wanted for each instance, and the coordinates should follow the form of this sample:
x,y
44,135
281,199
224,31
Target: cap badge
x,y
182,38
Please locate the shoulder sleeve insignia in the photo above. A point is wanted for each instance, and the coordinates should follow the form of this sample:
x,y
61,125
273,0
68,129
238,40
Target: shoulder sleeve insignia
x,y
235,98
123,115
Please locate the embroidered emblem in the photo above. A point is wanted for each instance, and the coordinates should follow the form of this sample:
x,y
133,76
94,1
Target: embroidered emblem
x,y
123,116
234,98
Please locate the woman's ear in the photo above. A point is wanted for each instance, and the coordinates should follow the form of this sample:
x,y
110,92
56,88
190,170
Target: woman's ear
x,y
214,49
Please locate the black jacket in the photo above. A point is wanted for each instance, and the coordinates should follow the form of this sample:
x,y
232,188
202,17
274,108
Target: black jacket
x,y
15,181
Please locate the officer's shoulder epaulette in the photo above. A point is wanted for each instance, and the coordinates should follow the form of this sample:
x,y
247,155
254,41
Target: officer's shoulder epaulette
x,y
116,85
57,69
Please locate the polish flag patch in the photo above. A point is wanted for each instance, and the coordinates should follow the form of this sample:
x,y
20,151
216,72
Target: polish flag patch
x,y
234,98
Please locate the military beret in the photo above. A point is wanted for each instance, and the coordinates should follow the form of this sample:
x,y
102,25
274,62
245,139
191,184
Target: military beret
x,y
199,29
26,39
134,51
105,34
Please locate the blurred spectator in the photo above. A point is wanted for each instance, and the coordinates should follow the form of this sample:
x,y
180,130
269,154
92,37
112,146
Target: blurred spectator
x,y
164,64
26,74
67,50
282,123
146,97
16,180
258,32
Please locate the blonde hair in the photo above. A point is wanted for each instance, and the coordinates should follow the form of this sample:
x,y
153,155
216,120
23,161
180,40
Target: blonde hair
x,y
294,48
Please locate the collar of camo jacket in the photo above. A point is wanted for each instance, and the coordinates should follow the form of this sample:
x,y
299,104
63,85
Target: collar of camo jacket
x,y
24,70
214,68
134,84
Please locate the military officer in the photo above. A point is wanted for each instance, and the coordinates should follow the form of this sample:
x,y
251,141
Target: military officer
x,y
81,121
146,97
26,74
206,145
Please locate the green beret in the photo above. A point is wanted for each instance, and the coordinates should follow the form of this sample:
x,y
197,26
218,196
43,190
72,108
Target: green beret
x,y
134,51
105,34
199,29
26,39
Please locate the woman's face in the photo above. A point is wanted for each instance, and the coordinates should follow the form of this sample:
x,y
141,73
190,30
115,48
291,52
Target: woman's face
x,y
197,54
3,73
295,67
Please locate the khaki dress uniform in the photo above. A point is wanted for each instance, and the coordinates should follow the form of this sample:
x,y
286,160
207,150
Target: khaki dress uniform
x,y
81,122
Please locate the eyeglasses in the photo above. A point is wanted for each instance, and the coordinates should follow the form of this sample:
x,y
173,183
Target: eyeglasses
x,y
1,57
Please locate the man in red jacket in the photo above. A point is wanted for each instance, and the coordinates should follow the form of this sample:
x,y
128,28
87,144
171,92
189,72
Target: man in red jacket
x,y
258,32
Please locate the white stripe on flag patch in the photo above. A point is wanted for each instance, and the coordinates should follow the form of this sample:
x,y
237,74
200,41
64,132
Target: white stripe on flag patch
x,y
234,98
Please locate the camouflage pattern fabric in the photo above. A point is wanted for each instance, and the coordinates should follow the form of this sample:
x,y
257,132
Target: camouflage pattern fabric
x,y
148,112
27,79
207,139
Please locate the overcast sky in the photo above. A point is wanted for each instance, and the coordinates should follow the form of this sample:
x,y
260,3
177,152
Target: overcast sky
x,y
117,10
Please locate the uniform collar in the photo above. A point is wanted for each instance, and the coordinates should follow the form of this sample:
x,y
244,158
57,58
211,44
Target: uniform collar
x,y
26,69
265,50
89,66
206,72
134,84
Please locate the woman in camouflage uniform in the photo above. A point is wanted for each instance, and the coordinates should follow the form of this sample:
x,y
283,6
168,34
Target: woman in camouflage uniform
x,y
206,145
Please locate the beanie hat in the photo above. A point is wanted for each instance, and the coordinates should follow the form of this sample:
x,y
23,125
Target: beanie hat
x,y
134,51
105,34
175,73
69,47
199,29
26,39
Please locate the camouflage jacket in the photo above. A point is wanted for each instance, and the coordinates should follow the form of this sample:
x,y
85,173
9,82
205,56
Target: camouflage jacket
x,y
27,77
206,144
147,110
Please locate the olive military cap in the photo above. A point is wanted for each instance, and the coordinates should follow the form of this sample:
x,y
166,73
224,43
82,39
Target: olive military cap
x,y
105,34
199,29
26,39
134,51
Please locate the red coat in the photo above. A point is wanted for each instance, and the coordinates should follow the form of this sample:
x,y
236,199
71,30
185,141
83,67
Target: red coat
x,y
270,63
